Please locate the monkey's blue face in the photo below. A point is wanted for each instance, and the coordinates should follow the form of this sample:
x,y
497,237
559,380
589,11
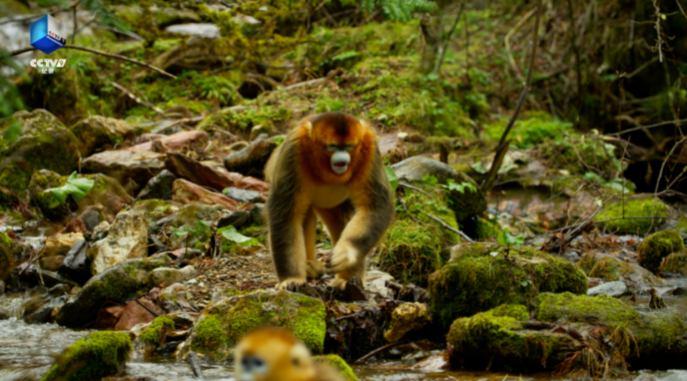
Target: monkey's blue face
x,y
252,368
341,157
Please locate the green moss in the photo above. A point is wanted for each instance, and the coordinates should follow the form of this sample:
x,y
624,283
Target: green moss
x,y
486,229
636,207
610,269
230,319
577,153
97,355
340,364
151,335
601,309
534,127
675,263
657,246
474,280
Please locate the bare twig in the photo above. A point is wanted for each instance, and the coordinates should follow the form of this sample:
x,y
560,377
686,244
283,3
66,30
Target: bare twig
x,y
678,122
378,350
137,99
105,54
658,30
447,226
507,41
681,10
311,82
437,69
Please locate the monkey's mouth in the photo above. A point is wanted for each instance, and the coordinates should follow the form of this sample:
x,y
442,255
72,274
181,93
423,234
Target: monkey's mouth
x,y
339,168
340,161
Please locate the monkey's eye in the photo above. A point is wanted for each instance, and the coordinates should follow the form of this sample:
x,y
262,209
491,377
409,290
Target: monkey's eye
x,y
332,148
295,361
349,147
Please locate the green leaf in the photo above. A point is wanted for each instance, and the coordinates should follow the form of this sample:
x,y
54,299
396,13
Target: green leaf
x,y
391,175
507,240
233,235
74,186
430,180
523,284
460,188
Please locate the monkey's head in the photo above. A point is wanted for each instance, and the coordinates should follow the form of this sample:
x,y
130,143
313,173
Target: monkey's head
x,y
337,140
272,354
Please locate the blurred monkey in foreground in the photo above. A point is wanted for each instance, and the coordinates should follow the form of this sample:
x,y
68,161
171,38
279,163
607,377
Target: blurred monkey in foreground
x,y
329,166
272,354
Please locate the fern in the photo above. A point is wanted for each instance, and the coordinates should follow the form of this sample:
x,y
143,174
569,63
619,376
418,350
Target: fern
x,y
398,10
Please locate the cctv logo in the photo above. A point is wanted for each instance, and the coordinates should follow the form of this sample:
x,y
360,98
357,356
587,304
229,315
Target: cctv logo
x,y
46,34
48,63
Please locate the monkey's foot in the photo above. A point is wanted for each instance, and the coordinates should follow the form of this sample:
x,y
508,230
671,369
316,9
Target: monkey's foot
x,y
290,284
315,269
340,261
339,282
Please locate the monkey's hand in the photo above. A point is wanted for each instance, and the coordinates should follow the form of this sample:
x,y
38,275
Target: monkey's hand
x,y
315,269
290,284
344,257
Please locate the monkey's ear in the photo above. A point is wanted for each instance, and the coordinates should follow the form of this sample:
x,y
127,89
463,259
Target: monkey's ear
x,y
364,123
308,127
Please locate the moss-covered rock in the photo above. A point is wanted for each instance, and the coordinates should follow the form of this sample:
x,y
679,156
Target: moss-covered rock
x,y
32,141
405,318
96,132
223,323
657,246
486,229
97,355
675,263
339,364
614,215
479,277
116,284
611,268
10,255
151,335
192,225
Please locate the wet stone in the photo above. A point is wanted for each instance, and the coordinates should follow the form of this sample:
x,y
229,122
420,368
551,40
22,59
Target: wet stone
x,y
91,219
76,264
256,213
241,195
614,289
159,187
237,219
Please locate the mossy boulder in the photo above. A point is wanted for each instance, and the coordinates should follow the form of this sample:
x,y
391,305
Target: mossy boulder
x,y
675,263
658,246
151,335
117,284
97,355
468,203
223,323
98,132
412,248
486,229
32,141
339,364
614,215
611,268
192,225
479,276
10,254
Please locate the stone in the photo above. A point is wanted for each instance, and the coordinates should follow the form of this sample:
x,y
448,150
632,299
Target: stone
x,y
467,204
43,314
196,140
46,179
95,356
611,268
187,192
375,282
42,142
674,264
196,29
98,132
57,246
173,299
158,187
76,265
237,219
90,218
257,213
658,246
242,195
459,288
405,318
124,165
127,239
141,310
11,256
615,289
165,276
116,285
225,321
251,160
210,174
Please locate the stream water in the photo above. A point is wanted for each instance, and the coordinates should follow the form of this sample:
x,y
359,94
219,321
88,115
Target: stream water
x,y
27,351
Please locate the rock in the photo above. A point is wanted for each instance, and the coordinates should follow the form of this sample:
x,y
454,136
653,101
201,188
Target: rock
x,y
165,276
151,335
97,132
375,282
187,192
56,248
611,268
10,254
563,324
91,218
224,322
657,246
42,142
123,165
675,263
43,314
338,364
107,317
464,205
251,160
196,29
615,289
210,174
242,195
97,355
141,310
614,212
107,196
195,219
116,284
460,288
46,179
405,318
257,214
31,276
127,239
196,140
76,264
159,187
237,219
173,298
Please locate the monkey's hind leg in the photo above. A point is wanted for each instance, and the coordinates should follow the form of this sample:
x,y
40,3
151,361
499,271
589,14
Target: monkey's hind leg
x,y
342,278
314,268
